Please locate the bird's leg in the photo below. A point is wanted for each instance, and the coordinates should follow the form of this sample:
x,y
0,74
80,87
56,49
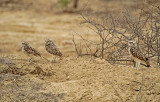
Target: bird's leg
x,y
138,63
134,64
53,59
30,59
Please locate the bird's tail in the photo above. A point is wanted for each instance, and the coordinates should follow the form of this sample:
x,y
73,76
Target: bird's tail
x,y
147,63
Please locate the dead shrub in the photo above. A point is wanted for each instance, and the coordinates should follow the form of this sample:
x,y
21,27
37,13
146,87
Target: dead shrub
x,y
114,31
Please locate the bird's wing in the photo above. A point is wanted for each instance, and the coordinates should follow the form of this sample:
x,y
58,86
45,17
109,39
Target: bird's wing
x,y
138,54
53,49
35,53
28,50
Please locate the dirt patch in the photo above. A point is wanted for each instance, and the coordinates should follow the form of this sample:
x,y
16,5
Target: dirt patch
x,y
80,79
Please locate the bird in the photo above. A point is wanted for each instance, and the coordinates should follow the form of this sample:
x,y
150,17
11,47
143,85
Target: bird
x,y
137,55
52,49
30,51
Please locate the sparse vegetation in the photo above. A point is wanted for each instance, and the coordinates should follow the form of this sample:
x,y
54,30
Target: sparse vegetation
x,y
114,33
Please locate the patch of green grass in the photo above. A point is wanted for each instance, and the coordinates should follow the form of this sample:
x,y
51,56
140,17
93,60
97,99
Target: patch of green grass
x,y
64,3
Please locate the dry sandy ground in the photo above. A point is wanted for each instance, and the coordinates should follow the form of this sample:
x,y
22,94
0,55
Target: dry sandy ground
x,y
70,79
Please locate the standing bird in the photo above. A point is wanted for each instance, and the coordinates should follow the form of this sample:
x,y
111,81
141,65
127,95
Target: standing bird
x,y
30,51
137,55
52,49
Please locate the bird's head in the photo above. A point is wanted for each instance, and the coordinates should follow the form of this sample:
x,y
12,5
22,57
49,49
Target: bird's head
x,y
48,41
25,43
132,43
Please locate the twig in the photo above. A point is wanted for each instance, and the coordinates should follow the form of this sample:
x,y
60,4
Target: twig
x,y
75,46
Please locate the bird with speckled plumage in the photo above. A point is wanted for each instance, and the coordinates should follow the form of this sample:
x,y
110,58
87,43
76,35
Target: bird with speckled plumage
x,y
52,49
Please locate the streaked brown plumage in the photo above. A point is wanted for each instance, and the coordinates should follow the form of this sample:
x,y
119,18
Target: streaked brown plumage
x,y
137,55
52,48
30,51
